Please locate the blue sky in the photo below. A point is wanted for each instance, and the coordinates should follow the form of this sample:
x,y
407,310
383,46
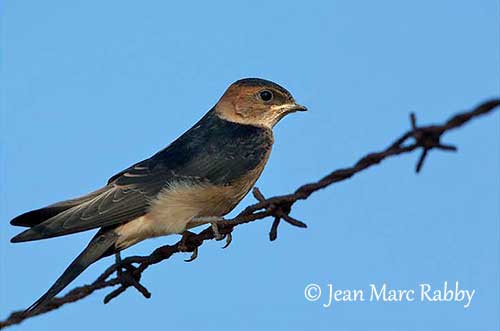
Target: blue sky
x,y
89,87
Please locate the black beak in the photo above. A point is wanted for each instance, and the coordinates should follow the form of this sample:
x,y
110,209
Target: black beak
x,y
299,107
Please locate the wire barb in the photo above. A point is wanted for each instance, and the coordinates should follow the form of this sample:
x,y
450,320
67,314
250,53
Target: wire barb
x,y
279,211
427,138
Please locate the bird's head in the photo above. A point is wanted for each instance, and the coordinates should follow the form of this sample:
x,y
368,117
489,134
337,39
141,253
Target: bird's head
x,y
257,102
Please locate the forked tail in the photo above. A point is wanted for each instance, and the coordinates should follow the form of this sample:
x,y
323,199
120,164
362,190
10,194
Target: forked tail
x,y
93,252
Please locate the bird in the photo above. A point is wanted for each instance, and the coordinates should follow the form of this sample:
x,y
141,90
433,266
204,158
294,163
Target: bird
x,y
202,174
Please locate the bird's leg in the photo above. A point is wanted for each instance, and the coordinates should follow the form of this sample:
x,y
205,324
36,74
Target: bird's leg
x,y
214,221
215,228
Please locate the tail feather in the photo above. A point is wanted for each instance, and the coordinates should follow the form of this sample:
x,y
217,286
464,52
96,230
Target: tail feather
x,y
97,248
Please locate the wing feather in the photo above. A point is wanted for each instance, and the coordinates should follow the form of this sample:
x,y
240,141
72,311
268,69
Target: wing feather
x,y
113,206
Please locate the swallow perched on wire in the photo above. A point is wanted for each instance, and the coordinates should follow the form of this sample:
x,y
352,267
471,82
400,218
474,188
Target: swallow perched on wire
x,y
204,173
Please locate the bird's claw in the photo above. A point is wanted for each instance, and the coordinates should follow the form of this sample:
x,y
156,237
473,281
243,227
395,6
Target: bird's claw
x,y
193,256
215,222
219,236
183,247
229,239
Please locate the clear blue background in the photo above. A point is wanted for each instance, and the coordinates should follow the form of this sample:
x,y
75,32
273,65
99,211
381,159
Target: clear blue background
x,y
90,87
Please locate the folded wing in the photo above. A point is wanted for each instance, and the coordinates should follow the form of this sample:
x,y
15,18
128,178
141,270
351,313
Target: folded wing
x,y
112,205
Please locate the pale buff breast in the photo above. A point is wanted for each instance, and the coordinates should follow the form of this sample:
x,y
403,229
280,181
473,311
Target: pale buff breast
x,y
180,202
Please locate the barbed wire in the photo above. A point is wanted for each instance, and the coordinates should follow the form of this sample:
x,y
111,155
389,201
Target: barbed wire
x,y
129,270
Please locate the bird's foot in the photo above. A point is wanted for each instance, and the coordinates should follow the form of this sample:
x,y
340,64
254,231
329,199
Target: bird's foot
x,y
194,256
216,222
217,233
215,228
185,247
229,239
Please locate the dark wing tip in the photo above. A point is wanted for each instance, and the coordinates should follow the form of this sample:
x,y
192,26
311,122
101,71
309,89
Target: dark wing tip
x,y
30,218
18,220
37,216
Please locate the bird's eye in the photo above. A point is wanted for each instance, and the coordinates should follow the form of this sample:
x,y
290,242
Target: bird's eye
x,y
266,95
